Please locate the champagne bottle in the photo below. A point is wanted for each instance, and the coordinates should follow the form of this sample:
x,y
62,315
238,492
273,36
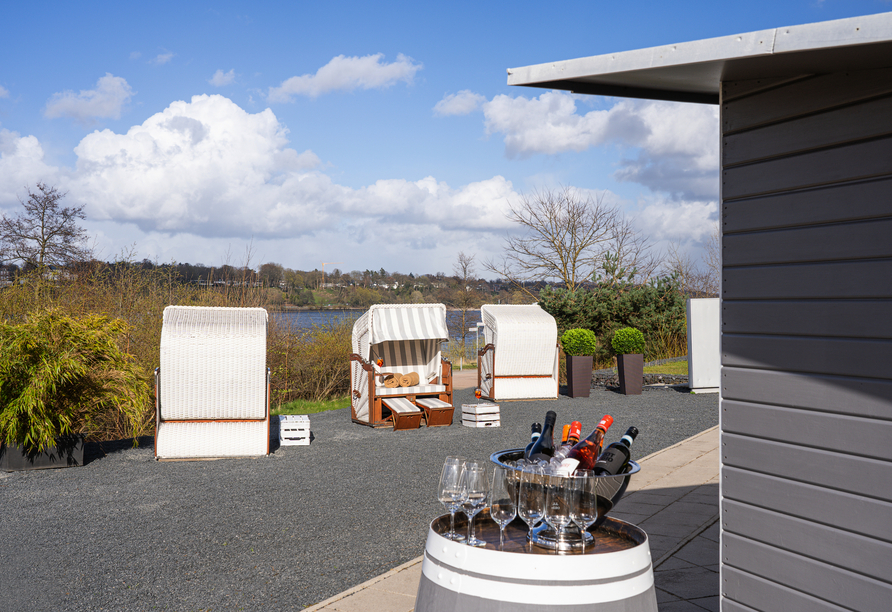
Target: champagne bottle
x,y
572,438
584,453
616,457
565,433
543,448
534,435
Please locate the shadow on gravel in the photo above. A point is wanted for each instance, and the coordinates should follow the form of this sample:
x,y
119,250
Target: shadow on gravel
x,y
98,450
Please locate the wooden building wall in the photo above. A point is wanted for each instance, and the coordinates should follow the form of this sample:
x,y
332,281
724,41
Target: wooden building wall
x,y
806,384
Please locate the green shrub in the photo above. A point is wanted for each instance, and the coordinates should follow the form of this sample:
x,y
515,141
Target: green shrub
x,y
62,375
309,364
628,341
656,308
579,341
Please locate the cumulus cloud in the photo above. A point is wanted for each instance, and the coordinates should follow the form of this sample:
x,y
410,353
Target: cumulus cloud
x,y
4,93
347,74
22,164
682,222
162,58
461,103
106,101
676,144
209,168
221,78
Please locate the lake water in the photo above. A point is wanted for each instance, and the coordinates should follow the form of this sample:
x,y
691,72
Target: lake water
x,y
303,319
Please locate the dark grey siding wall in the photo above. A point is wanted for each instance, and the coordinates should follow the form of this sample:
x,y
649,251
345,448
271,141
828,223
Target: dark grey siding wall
x,y
806,410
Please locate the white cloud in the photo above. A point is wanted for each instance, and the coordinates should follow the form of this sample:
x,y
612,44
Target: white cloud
x,y
346,74
677,144
105,101
134,55
4,93
162,58
221,78
22,165
684,222
461,103
209,168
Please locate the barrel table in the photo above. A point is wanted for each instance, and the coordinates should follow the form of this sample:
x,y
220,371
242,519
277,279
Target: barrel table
x,y
613,575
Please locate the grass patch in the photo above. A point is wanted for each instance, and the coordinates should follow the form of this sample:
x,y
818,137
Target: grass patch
x,y
676,368
311,407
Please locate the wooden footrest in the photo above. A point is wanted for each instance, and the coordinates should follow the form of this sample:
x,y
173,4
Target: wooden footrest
x,y
437,413
406,415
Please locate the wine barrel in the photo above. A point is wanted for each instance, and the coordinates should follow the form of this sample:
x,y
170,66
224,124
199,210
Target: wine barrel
x,y
614,575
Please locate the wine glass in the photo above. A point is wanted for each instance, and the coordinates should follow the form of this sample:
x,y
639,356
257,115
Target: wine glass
x,y
502,500
531,497
558,498
450,492
584,507
474,491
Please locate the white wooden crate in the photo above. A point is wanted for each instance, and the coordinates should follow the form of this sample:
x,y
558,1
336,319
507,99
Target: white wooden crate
x,y
479,409
294,430
470,423
480,415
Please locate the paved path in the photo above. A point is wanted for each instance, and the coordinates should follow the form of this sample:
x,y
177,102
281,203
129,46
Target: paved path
x,y
674,499
464,379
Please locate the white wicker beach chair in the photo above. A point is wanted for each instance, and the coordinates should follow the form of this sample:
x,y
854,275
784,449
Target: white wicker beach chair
x,y
212,389
520,358
406,339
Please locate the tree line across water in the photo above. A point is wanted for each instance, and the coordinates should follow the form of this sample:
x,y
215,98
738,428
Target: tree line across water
x,y
51,278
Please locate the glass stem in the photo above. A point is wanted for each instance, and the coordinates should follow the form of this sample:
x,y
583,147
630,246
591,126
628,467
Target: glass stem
x,y
452,524
471,536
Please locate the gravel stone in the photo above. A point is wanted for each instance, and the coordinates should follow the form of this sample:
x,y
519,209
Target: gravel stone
x,y
127,533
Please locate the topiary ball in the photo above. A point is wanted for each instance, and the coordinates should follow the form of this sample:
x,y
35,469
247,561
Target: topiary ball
x,y
628,341
579,342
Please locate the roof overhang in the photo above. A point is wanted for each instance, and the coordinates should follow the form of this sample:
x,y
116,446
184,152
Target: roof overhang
x,y
694,71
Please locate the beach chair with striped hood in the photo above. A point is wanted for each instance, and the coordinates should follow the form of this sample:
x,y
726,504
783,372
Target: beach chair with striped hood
x,y
397,373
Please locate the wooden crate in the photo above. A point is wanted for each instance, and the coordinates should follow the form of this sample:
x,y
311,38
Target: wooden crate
x,y
294,430
480,415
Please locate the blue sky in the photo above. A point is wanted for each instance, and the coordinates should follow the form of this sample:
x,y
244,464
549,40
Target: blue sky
x,y
372,134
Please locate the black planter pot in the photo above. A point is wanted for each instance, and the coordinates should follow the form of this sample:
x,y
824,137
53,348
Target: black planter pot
x,y
631,373
579,375
68,452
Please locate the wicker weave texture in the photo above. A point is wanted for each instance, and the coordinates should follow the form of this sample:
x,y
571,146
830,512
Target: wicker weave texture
x,y
526,388
213,363
525,338
485,363
184,440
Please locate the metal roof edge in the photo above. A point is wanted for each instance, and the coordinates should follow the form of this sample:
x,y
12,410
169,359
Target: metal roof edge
x,y
850,31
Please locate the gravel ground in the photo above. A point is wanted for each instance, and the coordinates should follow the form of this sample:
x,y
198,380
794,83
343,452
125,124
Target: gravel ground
x,y
125,532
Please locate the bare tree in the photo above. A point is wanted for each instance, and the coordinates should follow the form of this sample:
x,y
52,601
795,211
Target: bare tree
x,y
566,237
46,234
464,298
693,279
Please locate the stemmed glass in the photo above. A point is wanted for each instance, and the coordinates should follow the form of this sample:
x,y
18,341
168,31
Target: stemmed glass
x,y
502,500
531,497
450,492
584,507
557,505
475,486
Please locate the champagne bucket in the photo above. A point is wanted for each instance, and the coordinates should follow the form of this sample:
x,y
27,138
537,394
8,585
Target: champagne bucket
x,y
611,489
